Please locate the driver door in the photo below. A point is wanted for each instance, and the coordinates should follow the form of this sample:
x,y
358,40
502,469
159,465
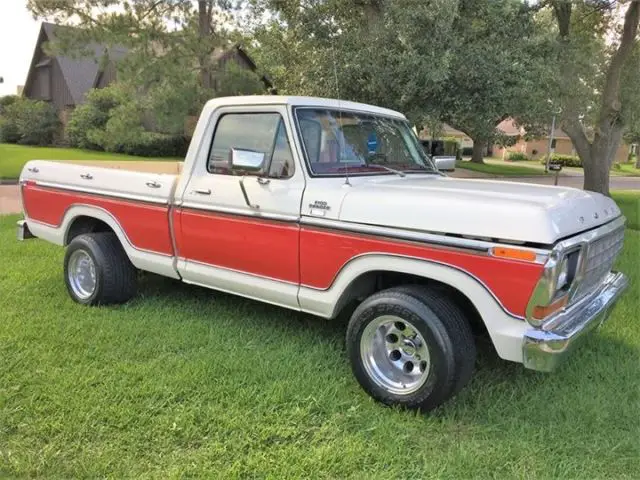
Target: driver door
x,y
244,240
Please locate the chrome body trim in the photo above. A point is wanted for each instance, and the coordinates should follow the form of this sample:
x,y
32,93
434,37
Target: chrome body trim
x,y
104,193
545,290
239,212
23,231
544,347
423,237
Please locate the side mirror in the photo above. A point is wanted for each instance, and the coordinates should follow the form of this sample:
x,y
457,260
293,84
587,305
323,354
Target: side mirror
x,y
247,160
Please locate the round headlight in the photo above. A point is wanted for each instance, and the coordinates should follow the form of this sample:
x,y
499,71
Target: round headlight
x,y
563,275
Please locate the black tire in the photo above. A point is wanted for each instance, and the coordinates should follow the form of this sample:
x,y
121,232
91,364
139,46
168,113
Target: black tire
x,y
452,315
445,334
116,279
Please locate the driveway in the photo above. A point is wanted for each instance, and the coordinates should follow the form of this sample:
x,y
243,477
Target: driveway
x,y
615,183
9,199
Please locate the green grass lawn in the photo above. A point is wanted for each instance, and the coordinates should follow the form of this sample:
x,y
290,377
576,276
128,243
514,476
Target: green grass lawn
x,y
500,168
13,157
626,169
629,203
497,166
187,382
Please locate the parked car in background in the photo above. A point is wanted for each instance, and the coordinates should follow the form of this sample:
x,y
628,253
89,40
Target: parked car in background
x,y
333,208
444,161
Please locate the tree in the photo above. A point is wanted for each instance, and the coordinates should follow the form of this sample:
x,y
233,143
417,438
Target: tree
x,y
171,46
471,63
497,70
585,63
377,51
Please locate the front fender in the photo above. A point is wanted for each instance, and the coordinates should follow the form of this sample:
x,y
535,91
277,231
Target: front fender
x,y
506,330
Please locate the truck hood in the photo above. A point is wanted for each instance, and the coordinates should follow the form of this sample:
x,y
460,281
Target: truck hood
x,y
510,211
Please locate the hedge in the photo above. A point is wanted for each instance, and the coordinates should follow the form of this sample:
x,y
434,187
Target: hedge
x,y
517,156
152,144
564,160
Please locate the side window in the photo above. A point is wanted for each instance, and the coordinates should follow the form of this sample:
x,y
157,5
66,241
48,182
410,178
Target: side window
x,y
258,132
282,165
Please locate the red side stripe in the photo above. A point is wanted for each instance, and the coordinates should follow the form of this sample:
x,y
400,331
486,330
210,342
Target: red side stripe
x,y
324,253
146,225
262,247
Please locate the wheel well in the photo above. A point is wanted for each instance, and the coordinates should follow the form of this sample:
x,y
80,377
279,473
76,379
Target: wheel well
x,y
375,281
84,224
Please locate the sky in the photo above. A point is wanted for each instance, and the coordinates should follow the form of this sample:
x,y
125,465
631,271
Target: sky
x,y
18,35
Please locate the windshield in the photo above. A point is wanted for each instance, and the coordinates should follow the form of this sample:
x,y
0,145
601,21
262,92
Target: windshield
x,y
340,142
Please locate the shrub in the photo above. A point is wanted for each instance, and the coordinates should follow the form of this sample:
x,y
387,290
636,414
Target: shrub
x,y
89,119
6,101
517,156
29,122
9,132
451,146
38,122
151,144
564,160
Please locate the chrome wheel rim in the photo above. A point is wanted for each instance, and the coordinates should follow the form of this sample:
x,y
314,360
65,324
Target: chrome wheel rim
x,y
82,274
395,355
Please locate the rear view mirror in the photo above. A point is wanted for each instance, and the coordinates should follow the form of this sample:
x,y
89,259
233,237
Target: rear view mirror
x,y
247,160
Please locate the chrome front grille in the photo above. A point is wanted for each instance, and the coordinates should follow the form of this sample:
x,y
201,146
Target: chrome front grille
x,y
600,255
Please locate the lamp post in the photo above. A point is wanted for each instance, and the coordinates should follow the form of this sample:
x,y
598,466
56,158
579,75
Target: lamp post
x,y
551,144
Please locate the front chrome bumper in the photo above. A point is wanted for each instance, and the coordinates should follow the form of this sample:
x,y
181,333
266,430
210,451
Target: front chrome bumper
x,y
544,347
23,231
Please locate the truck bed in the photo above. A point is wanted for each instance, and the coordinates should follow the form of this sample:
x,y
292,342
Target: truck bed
x,y
137,201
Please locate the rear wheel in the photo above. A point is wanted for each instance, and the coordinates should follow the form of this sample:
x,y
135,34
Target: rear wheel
x,y
407,348
98,271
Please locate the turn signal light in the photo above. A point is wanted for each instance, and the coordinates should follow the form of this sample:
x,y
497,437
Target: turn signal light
x,y
514,254
543,312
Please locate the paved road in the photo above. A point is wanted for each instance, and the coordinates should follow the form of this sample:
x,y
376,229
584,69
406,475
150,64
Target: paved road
x,y
10,200
616,183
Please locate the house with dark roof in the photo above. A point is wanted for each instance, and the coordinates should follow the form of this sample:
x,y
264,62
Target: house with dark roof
x,y
64,80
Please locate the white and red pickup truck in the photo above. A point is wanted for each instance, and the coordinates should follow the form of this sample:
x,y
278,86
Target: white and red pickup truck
x,y
332,207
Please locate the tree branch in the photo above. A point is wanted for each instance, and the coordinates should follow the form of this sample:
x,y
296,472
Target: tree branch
x,y
610,108
578,136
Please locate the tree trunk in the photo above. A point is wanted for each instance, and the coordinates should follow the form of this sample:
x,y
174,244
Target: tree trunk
x,y
597,156
596,175
204,31
601,156
479,145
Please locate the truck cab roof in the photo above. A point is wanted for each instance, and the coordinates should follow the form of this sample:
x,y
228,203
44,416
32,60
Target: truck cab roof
x,y
301,101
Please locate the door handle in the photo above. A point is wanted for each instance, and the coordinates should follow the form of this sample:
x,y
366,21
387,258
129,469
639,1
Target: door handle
x,y
86,176
33,169
200,191
263,181
246,197
153,184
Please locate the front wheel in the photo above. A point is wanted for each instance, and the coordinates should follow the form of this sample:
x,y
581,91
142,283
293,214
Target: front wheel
x,y
98,271
407,348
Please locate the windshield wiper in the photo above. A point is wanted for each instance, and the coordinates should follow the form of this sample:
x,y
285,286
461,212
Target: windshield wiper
x,y
388,169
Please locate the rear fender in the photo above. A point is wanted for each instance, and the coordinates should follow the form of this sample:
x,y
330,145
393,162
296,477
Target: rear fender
x,y
141,259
